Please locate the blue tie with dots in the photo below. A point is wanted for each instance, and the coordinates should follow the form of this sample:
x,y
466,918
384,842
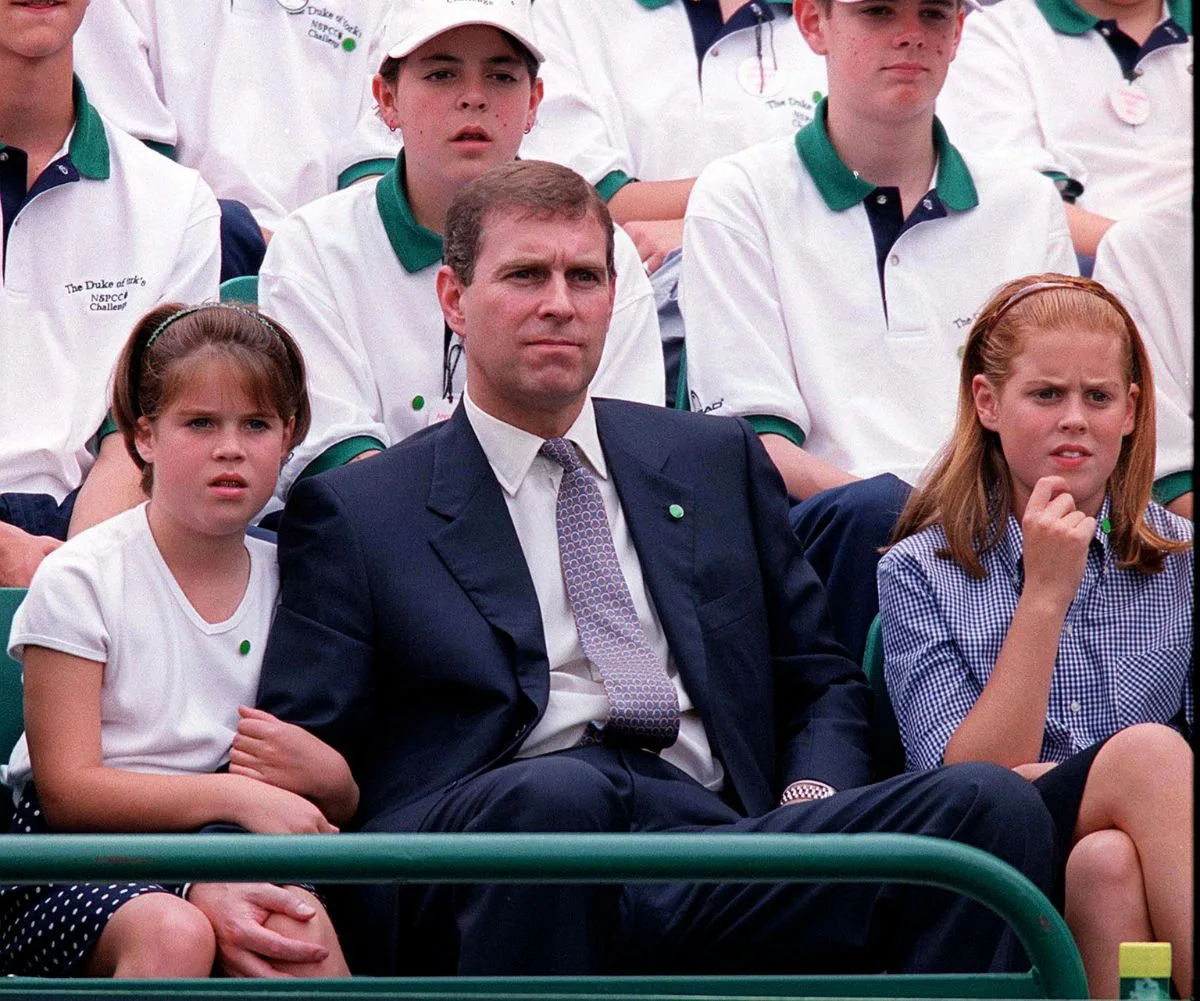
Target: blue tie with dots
x,y
642,701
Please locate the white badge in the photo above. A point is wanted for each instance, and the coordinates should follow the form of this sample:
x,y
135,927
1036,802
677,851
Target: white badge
x,y
760,77
1131,103
441,412
293,6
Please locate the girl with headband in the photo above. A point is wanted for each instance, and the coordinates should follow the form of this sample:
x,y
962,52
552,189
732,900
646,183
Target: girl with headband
x,y
141,642
1037,608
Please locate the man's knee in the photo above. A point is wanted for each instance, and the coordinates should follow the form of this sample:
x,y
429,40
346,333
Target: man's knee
x,y
871,506
553,794
996,809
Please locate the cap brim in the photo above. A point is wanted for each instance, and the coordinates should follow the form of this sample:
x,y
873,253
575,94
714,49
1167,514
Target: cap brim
x,y
416,40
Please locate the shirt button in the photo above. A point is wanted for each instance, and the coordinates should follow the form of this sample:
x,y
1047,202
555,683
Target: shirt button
x,y
1074,707
3,156
894,259
715,53
928,204
881,199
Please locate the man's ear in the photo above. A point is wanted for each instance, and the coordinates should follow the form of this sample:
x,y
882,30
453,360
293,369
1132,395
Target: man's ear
x,y
450,289
535,98
987,402
811,22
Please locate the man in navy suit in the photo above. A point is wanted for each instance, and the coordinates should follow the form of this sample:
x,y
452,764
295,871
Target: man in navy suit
x,y
426,632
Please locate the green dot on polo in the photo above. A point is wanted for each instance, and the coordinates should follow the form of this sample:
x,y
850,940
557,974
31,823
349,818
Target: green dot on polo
x,y
675,511
418,402
349,44
817,95
244,647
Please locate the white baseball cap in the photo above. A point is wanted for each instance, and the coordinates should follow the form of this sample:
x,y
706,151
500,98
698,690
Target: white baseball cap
x,y
417,21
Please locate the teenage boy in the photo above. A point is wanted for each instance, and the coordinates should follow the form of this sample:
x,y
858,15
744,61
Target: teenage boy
x,y
1096,93
352,275
95,229
830,278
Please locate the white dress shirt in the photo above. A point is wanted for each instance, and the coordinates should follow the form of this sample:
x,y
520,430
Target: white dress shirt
x,y
577,697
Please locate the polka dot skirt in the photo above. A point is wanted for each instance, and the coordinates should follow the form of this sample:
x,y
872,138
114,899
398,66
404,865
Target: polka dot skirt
x,y
48,930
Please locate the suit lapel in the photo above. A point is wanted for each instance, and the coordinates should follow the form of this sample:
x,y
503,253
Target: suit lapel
x,y
665,543
480,549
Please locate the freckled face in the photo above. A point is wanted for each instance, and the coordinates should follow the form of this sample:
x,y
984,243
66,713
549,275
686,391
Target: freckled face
x,y
1064,410
887,58
462,101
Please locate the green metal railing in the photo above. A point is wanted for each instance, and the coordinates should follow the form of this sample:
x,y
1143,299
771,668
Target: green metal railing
x,y
531,858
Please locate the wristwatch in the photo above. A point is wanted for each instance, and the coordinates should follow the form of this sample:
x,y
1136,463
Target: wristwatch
x,y
804,791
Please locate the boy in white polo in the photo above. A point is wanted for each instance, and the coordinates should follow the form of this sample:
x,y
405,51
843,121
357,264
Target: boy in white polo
x,y
352,275
269,99
96,229
641,95
830,278
1095,93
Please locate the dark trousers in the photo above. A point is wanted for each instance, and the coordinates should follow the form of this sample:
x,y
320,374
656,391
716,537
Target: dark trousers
x,y
685,927
38,514
841,530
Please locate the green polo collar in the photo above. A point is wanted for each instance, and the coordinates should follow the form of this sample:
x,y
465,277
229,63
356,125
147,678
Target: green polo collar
x,y
1067,18
415,246
89,146
842,189
88,149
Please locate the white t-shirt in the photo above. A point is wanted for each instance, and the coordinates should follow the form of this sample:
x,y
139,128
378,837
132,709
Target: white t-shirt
x,y
123,231
1034,81
352,277
626,95
787,324
1147,262
172,681
273,108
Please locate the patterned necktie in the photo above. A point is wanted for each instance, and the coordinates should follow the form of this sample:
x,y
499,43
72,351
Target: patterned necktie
x,y
641,698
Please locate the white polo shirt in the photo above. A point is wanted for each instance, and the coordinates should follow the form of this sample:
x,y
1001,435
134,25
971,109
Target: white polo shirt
x,y
271,107
624,98
1032,81
352,277
781,294
125,230
1147,261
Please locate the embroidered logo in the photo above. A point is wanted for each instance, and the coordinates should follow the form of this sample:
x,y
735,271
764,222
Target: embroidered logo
x,y
105,295
332,29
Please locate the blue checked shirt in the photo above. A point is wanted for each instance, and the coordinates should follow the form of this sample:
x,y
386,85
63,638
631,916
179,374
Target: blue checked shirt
x,y
1125,655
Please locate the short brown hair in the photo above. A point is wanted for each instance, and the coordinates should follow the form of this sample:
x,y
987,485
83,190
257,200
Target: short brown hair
x,y
968,489
167,342
527,188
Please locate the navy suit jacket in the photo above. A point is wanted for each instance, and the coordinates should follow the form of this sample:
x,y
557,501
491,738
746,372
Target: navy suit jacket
x,y
409,635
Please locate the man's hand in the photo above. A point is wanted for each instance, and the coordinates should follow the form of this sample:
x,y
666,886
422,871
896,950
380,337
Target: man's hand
x,y
289,757
238,913
654,239
21,553
1056,541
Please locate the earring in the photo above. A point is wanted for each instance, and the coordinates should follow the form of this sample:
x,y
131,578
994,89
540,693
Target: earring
x,y
528,128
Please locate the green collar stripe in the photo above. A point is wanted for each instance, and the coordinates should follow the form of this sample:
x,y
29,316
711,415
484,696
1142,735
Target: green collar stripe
x,y
768,424
842,189
341,453
1172,486
1068,18
89,145
654,4
416,247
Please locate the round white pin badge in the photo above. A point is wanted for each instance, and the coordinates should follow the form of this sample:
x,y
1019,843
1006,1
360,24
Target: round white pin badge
x,y
1131,103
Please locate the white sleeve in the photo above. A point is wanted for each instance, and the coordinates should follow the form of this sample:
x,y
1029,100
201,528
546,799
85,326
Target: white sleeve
x,y
371,147
738,348
571,125
988,103
197,272
294,289
1146,261
116,60
1060,250
632,366
62,610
